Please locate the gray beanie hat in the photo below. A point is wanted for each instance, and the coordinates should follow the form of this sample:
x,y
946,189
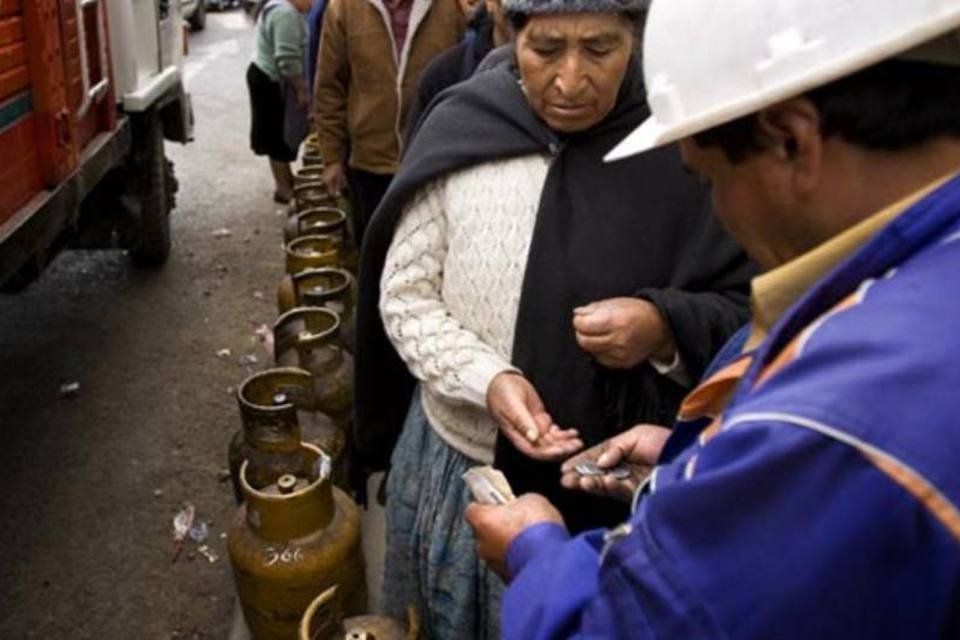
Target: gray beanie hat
x,y
530,7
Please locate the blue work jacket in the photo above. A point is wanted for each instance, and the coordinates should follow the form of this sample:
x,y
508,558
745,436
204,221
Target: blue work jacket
x,y
822,502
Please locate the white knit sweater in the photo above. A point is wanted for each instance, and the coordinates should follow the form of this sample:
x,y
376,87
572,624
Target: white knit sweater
x,y
451,288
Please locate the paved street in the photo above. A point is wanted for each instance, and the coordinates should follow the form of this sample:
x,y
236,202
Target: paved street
x,y
89,484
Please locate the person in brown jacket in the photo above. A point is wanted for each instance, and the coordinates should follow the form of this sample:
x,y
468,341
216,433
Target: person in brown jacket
x,y
370,59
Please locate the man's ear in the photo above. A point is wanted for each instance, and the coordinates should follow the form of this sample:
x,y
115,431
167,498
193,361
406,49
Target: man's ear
x,y
790,130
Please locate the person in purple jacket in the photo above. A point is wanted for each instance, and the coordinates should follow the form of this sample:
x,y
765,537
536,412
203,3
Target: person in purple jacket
x,y
811,485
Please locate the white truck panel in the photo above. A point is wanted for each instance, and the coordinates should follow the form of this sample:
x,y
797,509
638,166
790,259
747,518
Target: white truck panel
x,y
147,57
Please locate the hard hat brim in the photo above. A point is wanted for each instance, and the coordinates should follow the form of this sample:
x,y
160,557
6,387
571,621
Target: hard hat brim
x,y
649,135
652,133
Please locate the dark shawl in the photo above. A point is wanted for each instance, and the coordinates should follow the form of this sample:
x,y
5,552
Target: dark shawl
x,y
638,227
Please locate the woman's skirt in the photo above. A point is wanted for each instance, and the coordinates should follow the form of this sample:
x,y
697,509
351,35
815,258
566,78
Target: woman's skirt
x,y
431,563
267,117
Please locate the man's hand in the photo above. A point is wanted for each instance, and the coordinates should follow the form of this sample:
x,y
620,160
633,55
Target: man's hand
x,y
496,526
335,178
623,332
513,401
638,448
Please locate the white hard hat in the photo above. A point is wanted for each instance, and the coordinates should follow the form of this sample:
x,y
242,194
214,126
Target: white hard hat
x,y
708,62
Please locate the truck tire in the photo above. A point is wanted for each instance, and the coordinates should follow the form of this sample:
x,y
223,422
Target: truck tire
x,y
198,21
156,188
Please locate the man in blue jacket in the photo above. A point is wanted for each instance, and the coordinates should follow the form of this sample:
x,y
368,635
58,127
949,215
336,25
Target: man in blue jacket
x,y
811,486
314,31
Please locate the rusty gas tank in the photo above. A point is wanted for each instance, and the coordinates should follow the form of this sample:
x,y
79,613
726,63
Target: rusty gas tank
x,y
313,252
323,221
278,412
309,195
311,152
312,172
296,535
308,338
323,620
328,287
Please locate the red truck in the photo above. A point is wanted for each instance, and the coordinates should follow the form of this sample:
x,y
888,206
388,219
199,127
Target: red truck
x,y
89,91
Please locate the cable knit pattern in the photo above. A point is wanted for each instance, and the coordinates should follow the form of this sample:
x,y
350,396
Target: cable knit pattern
x,y
451,289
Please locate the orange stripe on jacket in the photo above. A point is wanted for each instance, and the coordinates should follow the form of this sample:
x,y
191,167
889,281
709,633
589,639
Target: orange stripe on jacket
x,y
795,348
710,398
938,506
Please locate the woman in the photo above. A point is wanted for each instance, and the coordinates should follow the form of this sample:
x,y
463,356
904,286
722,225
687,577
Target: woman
x,y
274,77
532,291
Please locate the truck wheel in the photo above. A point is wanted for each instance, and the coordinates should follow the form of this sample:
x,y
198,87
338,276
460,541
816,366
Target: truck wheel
x,y
156,187
198,21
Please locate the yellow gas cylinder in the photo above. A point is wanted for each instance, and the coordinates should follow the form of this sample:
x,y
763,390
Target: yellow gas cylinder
x,y
312,252
323,221
295,536
308,173
278,412
327,287
308,338
309,195
311,154
323,621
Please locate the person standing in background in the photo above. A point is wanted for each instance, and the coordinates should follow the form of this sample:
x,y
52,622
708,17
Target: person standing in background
x,y
314,30
275,76
487,30
371,55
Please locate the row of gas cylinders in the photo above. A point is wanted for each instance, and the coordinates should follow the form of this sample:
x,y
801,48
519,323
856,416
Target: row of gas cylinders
x,y
295,541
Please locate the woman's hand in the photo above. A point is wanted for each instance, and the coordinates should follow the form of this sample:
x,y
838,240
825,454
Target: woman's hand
x,y
513,401
638,449
623,332
335,179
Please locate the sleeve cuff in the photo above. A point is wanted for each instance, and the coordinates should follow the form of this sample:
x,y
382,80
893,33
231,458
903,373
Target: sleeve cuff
x,y
331,154
478,374
532,541
663,367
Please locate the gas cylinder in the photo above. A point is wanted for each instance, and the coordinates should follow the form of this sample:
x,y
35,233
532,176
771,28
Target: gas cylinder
x,y
295,536
330,221
323,621
311,252
308,338
309,195
317,221
326,287
311,155
308,173
278,411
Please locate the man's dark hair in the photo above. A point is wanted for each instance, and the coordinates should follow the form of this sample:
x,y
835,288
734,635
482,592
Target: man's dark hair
x,y
890,106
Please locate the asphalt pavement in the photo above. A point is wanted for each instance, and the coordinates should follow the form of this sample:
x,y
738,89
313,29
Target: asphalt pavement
x,y
117,393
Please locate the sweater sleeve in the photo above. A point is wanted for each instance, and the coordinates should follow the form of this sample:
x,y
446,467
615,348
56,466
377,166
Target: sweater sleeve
x,y
289,35
449,359
331,85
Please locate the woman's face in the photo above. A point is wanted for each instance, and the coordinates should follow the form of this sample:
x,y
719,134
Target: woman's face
x,y
572,65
